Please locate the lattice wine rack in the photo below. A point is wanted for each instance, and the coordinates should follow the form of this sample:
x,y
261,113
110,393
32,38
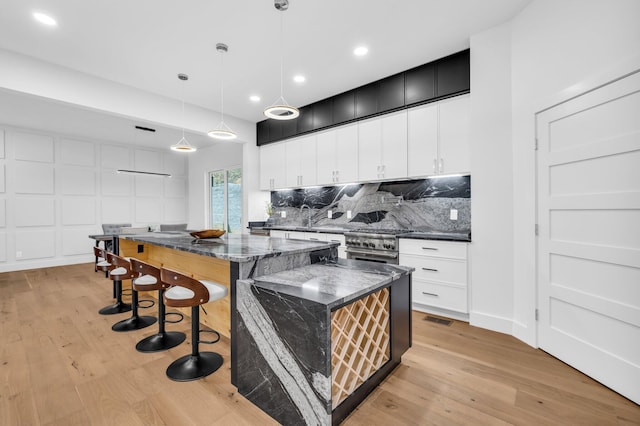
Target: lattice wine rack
x,y
359,343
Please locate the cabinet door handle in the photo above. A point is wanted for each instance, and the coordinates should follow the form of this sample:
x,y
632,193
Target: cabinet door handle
x,y
430,294
435,165
441,167
430,269
429,248
337,175
313,239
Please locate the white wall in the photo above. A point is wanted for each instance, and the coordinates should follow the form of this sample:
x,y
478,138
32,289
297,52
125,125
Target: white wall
x,y
555,45
220,156
491,252
56,190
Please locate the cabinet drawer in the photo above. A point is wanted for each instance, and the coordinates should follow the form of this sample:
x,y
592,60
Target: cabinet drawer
x,y
436,269
335,237
441,296
433,248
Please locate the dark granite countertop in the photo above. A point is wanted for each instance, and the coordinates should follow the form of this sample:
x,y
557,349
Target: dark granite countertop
x,y
332,284
417,235
233,247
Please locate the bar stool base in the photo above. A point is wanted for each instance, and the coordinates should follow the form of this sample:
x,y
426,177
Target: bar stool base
x,y
161,341
190,367
117,308
134,323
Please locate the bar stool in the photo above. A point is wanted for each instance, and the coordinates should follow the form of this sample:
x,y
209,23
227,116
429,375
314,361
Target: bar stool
x,y
189,292
119,307
122,271
148,280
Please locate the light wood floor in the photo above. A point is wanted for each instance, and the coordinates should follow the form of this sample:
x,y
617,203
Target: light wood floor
x,y
60,364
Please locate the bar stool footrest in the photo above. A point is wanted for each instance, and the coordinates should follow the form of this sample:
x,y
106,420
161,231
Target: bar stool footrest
x,y
190,367
173,321
209,342
151,304
134,323
161,341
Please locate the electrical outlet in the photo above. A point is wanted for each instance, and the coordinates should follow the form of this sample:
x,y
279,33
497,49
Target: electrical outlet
x,y
330,214
18,254
283,214
453,214
348,214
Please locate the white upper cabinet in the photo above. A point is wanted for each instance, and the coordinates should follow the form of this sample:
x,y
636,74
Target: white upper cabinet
x,y
272,166
382,147
337,150
423,140
454,135
439,138
300,159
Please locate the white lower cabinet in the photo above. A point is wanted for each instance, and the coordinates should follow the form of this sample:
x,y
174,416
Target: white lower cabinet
x,y
440,278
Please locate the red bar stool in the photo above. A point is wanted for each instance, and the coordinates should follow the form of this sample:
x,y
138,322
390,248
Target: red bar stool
x,y
104,264
148,279
121,270
189,292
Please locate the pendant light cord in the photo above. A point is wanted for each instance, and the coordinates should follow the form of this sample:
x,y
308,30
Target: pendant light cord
x,y
222,88
281,55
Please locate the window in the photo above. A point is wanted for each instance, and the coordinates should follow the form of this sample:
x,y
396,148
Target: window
x,y
226,200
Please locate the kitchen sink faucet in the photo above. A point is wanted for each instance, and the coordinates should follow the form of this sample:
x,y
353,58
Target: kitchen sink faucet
x,y
309,219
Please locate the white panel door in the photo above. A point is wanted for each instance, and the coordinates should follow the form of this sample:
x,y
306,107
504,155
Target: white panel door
x,y
589,233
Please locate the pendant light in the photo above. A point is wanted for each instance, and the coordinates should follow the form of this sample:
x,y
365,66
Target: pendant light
x,y
222,131
183,145
280,109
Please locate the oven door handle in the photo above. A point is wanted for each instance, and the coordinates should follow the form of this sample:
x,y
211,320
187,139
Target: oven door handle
x,y
373,253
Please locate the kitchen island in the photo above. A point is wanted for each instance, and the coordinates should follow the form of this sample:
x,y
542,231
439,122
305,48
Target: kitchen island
x,y
311,335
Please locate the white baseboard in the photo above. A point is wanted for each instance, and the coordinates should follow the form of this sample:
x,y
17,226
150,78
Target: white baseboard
x,y
45,263
521,332
491,322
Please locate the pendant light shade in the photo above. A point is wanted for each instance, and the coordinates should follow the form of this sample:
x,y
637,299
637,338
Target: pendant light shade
x,y
183,144
280,109
222,131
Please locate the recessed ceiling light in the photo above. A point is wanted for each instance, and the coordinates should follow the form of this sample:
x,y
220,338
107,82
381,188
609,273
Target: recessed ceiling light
x,y
254,98
360,51
299,79
44,19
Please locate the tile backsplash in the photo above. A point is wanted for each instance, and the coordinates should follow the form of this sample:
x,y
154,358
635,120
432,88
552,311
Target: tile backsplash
x,y
419,205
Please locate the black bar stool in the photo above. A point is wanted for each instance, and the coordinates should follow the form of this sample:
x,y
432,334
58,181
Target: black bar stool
x,y
148,280
122,271
119,307
189,292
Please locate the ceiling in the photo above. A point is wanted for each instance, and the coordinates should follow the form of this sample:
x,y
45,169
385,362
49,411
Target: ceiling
x,y
145,43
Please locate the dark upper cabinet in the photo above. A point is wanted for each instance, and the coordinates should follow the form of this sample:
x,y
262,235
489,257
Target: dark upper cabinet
x,y
305,121
453,74
420,84
262,132
289,128
443,78
323,114
391,93
275,129
367,100
344,107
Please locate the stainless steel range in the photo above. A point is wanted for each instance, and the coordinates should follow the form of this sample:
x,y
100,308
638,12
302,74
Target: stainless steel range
x,y
374,245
